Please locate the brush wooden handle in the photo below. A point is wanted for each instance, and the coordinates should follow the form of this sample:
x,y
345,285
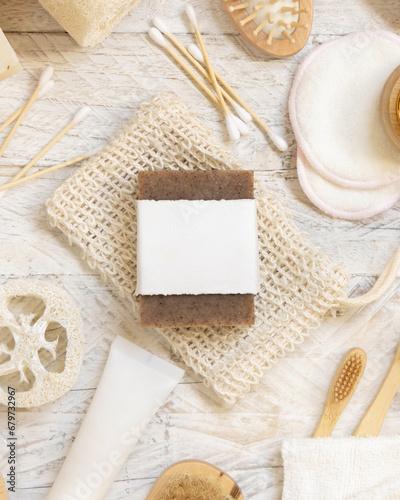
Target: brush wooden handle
x,y
342,388
372,421
327,423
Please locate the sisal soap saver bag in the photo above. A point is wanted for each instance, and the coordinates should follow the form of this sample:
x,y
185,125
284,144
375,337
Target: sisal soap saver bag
x,y
96,209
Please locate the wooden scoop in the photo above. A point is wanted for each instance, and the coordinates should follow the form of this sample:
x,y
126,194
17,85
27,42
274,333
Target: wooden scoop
x,y
344,383
196,468
372,421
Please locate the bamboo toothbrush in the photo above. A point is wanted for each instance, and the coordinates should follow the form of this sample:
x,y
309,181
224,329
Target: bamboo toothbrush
x,y
278,141
160,25
230,122
344,383
158,37
49,85
80,115
44,78
372,421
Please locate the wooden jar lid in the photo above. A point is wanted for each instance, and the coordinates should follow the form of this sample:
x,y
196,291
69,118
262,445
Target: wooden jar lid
x,y
388,107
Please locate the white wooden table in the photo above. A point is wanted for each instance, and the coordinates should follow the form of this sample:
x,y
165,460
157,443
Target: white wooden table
x,y
114,78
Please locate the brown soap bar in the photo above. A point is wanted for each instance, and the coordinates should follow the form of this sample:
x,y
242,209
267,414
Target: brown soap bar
x,y
198,185
196,310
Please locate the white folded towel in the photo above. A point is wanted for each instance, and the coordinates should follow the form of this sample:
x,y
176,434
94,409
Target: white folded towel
x,y
345,468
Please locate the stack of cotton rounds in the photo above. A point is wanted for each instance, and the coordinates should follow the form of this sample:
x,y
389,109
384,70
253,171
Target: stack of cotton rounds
x,y
346,164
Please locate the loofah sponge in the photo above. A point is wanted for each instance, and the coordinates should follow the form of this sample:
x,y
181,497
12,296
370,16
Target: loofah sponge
x,y
29,336
88,21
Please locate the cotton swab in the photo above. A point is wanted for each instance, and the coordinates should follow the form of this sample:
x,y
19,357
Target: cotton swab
x,y
279,141
230,122
241,126
49,85
157,37
48,170
160,25
79,116
44,78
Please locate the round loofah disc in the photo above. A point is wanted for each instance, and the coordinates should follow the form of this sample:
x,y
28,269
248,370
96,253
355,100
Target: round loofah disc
x,y
29,336
334,109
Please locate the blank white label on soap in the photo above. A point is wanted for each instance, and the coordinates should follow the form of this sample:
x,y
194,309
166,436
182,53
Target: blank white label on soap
x,y
197,247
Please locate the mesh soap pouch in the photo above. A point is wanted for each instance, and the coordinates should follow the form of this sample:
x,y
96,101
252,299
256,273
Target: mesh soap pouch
x,y
96,209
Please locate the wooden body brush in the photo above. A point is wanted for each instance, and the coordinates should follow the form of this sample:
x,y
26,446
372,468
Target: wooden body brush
x,y
344,383
194,479
372,422
279,28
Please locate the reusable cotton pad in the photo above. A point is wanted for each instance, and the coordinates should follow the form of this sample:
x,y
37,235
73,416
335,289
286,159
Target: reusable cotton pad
x,y
341,202
334,109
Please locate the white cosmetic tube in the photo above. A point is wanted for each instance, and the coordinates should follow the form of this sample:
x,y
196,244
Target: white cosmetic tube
x,y
132,388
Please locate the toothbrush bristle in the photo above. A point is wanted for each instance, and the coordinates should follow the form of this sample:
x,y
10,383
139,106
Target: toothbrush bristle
x,y
348,377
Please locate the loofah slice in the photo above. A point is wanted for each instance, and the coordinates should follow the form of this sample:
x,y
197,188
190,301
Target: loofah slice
x,y
29,337
88,21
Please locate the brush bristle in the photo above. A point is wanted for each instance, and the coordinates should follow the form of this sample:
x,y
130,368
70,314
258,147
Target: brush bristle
x,y
196,487
276,19
348,377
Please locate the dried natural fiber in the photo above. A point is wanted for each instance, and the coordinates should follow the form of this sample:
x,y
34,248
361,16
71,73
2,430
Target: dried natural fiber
x,y
96,209
88,21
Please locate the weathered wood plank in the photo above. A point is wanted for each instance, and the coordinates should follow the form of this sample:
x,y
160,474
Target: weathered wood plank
x,y
114,78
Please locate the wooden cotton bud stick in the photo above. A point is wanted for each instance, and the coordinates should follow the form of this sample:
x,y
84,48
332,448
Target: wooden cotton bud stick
x,y
194,59
44,78
278,141
48,86
242,113
233,131
157,37
46,171
81,114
